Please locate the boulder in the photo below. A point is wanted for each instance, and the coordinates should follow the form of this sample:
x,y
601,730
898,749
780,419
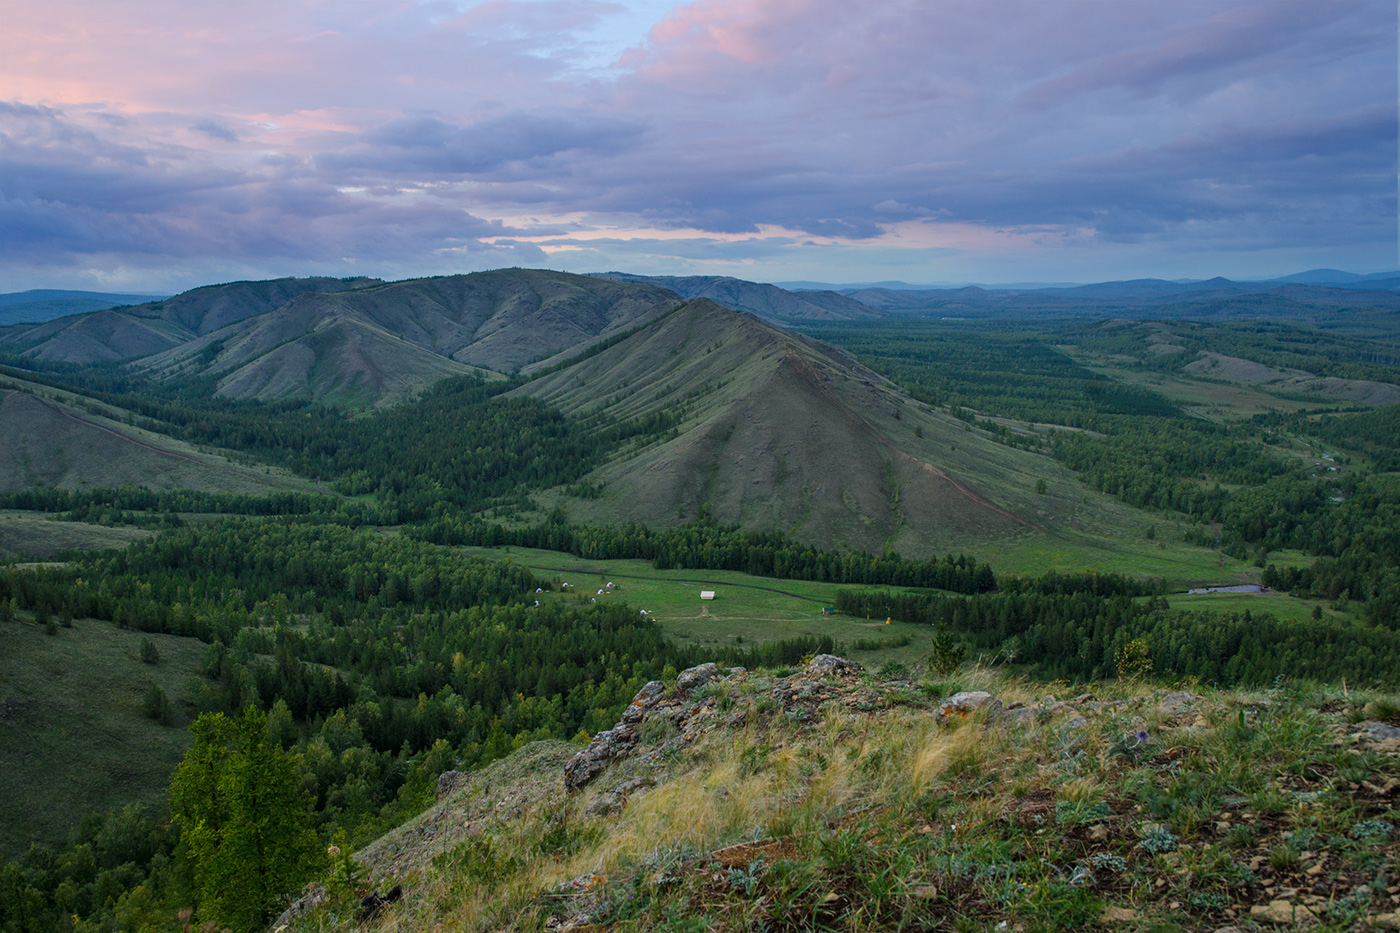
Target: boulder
x,y
693,678
1380,731
824,664
449,781
1177,701
967,705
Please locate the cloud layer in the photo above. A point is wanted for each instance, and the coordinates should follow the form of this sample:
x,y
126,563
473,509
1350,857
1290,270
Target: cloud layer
x,y
166,145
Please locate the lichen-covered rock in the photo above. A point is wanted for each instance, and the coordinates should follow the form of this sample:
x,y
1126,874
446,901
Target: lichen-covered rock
x,y
449,781
646,698
967,705
824,664
694,678
605,748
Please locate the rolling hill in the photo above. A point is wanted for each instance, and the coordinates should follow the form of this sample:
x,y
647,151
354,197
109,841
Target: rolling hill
x,y
782,432
379,344
45,304
134,331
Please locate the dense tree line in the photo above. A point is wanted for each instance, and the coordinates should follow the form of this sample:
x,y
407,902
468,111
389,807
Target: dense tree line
x,y
1077,636
1017,375
705,544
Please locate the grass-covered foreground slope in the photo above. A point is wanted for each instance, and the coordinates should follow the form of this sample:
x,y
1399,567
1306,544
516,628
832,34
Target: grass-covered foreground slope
x,y
847,801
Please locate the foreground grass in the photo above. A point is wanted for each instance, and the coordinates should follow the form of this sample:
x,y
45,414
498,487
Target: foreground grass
x,y
841,803
73,736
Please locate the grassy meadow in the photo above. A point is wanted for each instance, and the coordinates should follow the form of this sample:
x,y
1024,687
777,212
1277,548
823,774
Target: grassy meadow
x,y
73,736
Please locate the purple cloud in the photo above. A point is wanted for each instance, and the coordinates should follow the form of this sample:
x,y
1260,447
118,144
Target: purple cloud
x,y
1074,139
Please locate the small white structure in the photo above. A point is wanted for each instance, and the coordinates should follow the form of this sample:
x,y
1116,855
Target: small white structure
x,y
707,594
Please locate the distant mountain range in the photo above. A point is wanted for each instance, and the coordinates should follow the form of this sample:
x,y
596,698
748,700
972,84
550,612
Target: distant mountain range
x,y
45,304
776,431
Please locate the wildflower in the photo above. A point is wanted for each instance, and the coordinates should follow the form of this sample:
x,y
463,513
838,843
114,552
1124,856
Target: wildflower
x,y
333,851
1141,736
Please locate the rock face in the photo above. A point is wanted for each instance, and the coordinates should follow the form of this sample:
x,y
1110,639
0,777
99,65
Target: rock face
x,y
687,715
694,678
605,748
969,704
646,698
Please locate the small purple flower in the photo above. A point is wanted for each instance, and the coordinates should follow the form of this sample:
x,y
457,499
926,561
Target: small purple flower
x,y
1141,736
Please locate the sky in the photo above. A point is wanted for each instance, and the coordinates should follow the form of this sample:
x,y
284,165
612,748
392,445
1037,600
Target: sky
x,y
156,146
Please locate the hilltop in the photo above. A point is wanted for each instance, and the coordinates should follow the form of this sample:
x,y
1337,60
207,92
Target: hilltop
x,y
781,432
838,798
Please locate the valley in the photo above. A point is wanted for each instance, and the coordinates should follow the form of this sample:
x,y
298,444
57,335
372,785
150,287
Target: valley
x,y
343,513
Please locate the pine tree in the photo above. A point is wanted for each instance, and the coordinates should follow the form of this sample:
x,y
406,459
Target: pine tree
x,y
244,820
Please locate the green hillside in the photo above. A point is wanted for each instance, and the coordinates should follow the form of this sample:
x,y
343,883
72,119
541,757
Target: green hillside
x,y
77,739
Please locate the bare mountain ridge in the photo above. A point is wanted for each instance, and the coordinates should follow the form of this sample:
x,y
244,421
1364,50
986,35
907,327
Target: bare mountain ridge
x,y
135,331
380,344
777,431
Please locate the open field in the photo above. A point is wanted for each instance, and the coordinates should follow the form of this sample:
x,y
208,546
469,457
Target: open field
x,y
746,610
38,535
73,738
1280,605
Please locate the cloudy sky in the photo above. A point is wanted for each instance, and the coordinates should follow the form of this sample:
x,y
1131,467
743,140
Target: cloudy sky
x,y
163,145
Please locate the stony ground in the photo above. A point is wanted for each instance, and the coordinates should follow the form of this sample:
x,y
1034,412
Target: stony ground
x,y
836,798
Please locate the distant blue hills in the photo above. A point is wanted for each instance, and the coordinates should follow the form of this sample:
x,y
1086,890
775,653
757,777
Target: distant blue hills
x,y
45,304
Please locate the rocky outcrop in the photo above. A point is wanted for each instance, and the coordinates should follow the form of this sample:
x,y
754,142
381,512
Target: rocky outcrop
x,y
971,704
605,748
449,781
824,664
694,678
686,717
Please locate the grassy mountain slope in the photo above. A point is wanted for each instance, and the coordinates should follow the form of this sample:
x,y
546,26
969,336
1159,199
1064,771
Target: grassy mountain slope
x,y
781,432
51,441
767,301
135,331
379,344
76,740
846,801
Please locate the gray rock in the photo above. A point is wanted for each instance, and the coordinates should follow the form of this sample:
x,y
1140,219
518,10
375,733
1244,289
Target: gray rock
x,y
1177,701
606,747
1381,732
449,781
967,705
694,678
646,698
824,664
1021,716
